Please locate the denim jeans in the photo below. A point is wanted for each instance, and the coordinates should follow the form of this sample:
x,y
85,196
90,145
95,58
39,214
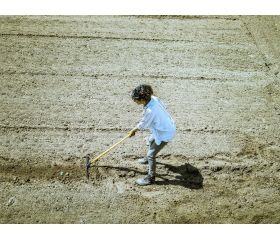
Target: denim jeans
x,y
151,156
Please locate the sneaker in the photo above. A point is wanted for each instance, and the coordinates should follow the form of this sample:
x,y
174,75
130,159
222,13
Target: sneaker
x,y
142,161
148,180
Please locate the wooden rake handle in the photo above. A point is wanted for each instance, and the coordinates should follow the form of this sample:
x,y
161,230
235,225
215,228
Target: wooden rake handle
x,y
108,150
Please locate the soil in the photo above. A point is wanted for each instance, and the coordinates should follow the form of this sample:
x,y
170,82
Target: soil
x,y
65,84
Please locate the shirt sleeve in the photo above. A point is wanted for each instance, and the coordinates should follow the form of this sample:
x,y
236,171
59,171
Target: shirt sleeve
x,y
147,119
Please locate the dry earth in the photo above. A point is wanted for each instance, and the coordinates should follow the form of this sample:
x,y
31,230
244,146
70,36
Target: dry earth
x,y
65,84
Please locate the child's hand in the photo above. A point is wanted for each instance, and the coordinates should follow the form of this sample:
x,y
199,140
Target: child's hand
x,y
132,132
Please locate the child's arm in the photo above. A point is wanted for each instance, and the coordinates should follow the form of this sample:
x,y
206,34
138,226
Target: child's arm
x,y
145,122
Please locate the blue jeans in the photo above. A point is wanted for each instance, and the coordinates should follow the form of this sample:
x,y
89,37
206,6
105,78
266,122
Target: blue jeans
x,y
151,156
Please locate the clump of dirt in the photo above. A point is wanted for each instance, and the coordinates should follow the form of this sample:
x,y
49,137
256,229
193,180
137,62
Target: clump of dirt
x,y
27,171
272,92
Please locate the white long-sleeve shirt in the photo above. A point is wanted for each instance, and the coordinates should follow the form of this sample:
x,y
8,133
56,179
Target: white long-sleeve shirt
x,y
158,120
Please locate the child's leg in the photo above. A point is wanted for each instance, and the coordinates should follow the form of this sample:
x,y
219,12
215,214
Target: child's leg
x,y
149,141
151,156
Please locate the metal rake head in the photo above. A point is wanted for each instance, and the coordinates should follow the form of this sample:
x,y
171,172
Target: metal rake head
x,y
88,165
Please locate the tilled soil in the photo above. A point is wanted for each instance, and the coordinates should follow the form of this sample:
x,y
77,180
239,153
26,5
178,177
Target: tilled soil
x,y
65,84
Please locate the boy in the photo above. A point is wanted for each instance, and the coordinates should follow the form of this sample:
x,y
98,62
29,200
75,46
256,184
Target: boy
x,y
160,123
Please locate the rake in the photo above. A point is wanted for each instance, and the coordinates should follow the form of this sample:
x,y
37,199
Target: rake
x,y
90,162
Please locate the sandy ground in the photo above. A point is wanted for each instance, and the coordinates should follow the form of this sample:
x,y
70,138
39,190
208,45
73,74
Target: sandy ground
x,y
65,84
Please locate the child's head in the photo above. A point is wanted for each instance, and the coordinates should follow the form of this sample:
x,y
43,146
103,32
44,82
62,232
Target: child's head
x,y
142,94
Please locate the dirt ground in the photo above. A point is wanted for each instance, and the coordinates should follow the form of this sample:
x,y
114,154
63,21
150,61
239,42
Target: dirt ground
x,y
65,84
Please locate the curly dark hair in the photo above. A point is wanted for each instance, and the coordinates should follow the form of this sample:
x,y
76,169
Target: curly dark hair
x,y
143,91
